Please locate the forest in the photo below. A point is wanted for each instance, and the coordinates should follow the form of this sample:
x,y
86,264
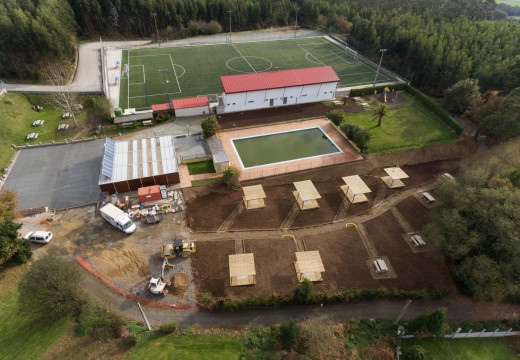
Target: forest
x,y
433,43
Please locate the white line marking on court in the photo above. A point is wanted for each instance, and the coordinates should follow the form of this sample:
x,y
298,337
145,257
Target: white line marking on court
x,y
307,53
244,58
175,72
128,82
140,96
144,77
348,62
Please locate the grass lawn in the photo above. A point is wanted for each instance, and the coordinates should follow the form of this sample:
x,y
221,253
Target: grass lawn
x,y
22,337
188,347
509,2
406,127
201,167
467,349
16,122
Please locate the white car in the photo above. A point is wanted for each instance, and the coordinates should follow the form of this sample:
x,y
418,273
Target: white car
x,y
40,237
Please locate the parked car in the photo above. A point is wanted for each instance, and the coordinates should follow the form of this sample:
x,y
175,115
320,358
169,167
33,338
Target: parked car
x,y
40,237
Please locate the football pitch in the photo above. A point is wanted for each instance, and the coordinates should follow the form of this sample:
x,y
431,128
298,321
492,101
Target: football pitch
x,y
157,75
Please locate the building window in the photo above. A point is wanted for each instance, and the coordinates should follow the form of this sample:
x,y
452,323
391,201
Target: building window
x,y
251,101
291,97
234,103
227,104
304,95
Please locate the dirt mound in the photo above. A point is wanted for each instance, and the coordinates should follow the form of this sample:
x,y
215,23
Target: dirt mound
x,y
121,264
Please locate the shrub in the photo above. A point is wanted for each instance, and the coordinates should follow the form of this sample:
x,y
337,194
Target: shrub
x,y
23,253
358,135
432,322
305,293
166,329
207,301
289,335
231,178
209,126
336,116
98,322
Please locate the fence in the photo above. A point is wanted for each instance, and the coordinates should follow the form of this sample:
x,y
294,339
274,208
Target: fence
x,y
66,141
471,334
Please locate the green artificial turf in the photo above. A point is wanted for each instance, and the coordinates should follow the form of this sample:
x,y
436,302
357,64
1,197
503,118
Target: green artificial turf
x,y
188,347
467,349
408,126
201,167
157,75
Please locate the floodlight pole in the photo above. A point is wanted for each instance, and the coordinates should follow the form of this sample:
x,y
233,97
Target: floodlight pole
x,y
162,71
408,302
156,29
382,51
296,22
230,11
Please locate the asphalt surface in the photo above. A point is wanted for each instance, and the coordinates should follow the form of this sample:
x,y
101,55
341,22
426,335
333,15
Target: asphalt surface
x,y
58,176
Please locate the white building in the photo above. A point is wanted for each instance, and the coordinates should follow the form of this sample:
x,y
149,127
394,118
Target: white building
x,y
278,88
191,106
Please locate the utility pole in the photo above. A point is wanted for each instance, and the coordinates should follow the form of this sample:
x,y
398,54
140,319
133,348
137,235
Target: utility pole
x,y
163,71
382,51
156,29
230,11
408,302
400,329
296,22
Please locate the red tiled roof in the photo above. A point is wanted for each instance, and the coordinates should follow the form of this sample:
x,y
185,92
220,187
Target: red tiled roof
x,y
278,79
160,107
190,102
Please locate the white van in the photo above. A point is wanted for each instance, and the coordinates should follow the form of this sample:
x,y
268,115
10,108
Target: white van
x,y
118,218
40,237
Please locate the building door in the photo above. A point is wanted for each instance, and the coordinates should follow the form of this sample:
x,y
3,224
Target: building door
x,y
271,102
285,100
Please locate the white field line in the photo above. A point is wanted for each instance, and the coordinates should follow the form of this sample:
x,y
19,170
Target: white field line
x,y
309,53
175,72
140,96
348,62
244,58
144,76
128,82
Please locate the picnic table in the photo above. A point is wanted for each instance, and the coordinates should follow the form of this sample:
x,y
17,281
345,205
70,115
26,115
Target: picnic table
x,y
32,136
63,127
38,122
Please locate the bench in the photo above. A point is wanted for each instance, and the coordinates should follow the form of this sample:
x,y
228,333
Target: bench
x,y
127,125
38,122
380,265
32,136
428,198
147,122
418,240
448,176
63,127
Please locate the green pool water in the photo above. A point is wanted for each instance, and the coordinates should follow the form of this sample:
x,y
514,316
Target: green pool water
x,y
286,146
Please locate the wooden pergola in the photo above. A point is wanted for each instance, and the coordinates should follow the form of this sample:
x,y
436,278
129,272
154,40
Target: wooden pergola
x,y
254,197
306,195
309,266
242,270
355,189
393,180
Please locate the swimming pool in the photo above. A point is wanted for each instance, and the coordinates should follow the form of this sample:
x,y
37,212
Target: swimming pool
x,y
283,146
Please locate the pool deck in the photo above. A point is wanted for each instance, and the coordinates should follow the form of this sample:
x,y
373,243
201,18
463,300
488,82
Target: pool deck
x,y
349,152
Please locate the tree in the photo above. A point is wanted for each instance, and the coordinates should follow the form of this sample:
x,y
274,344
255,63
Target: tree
x,y
8,205
65,96
52,288
504,122
358,135
336,116
305,293
463,96
209,126
11,246
482,278
289,334
231,178
379,112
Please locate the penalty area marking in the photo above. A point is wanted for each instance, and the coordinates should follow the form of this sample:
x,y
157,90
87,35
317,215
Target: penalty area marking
x,y
244,58
137,83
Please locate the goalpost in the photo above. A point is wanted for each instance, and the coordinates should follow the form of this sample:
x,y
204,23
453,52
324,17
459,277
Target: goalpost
x,y
350,51
124,72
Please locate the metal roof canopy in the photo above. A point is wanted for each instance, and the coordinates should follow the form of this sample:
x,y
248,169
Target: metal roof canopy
x,y
396,173
278,79
356,185
217,150
306,190
309,265
242,269
186,103
253,192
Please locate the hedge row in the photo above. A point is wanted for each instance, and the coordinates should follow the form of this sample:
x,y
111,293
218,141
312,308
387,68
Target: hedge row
x,y
425,100
331,297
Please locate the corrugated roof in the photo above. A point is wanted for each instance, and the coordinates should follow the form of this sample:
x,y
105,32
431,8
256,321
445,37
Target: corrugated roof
x,y
396,173
242,265
187,103
217,150
278,79
161,107
306,190
356,184
253,192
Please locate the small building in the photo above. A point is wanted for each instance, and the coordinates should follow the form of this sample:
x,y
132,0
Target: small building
x,y
355,189
218,154
393,180
191,106
277,88
242,270
149,193
161,107
306,195
254,197
309,266
130,165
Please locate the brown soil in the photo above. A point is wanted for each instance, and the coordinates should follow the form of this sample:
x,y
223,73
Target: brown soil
x,y
414,270
283,113
208,207
414,212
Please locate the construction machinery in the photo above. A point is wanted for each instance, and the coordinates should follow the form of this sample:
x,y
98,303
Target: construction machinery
x,y
178,248
157,285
